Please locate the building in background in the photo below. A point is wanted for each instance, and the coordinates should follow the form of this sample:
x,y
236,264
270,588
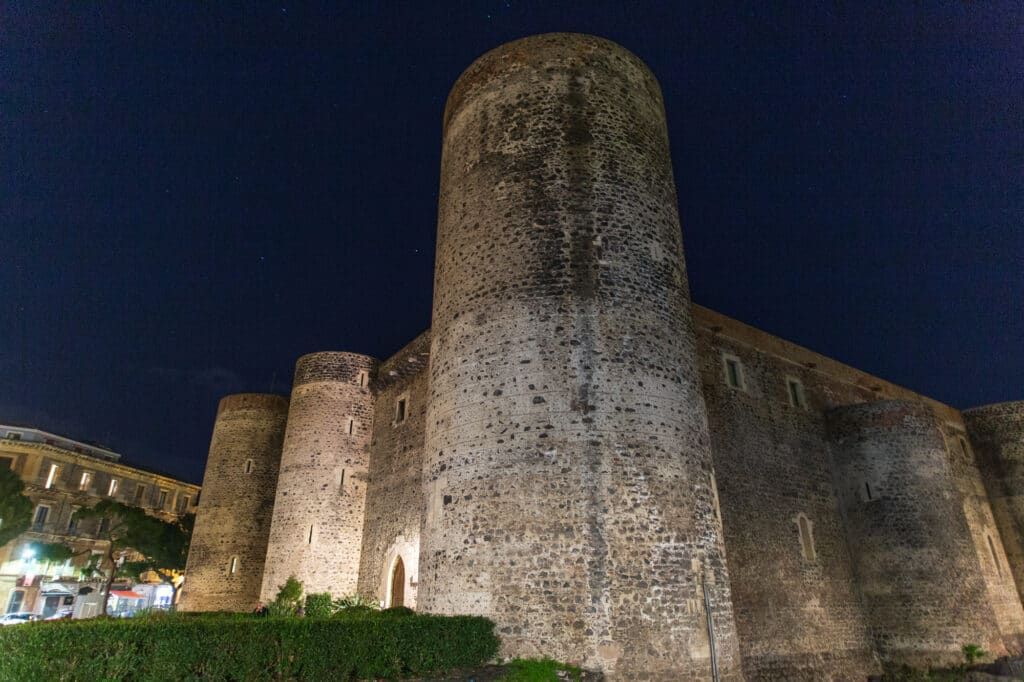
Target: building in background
x,y
63,475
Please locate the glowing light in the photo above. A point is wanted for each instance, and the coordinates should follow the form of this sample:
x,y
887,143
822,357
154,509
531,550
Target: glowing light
x,y
28,554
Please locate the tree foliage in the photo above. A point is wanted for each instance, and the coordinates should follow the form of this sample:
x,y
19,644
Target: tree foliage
x,y
15,507
162,544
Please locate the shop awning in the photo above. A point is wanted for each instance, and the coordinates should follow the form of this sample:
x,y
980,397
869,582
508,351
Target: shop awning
x,y
126,594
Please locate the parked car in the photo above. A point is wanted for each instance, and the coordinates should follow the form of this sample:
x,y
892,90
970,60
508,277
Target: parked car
x,y
18,618
61,614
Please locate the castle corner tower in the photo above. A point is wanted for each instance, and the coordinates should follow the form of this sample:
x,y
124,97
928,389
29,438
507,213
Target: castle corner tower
x,y
567,469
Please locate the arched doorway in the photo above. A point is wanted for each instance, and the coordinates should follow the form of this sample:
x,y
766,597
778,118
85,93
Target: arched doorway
x,y
398,583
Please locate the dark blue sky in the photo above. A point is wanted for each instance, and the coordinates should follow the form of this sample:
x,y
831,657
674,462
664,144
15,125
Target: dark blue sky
x,y
193,196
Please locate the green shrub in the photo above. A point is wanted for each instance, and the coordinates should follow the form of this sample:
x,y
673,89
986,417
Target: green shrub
x,y
319,605
539,670
288,599
367,645
398,611
355,600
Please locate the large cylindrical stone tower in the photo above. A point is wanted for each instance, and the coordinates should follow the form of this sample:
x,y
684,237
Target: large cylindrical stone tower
x,y
229,543
567,468
997,435
317,528
908,534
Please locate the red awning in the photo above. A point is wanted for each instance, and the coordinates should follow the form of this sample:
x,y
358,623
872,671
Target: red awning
x,y
125,594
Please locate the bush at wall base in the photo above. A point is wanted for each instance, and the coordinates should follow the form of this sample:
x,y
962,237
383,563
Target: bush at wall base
x,y
366,645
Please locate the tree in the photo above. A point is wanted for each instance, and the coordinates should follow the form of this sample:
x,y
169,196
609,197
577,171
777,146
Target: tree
x,y
164,547
163,544
15,507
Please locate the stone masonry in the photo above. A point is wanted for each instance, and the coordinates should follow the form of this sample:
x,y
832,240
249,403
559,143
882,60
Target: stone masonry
x,y
578,452
317,528
229,541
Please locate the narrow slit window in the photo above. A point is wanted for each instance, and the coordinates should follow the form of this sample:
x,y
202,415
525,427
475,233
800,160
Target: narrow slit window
x,y
964,447
248,466
400,408
867,489
995,557
233,565
796,393
341,483
806,530
351,426
309,540
361,379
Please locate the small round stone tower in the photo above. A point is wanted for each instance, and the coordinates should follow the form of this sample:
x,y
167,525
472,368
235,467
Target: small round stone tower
x,y
567,469
997,436
908,534
229,543
317,530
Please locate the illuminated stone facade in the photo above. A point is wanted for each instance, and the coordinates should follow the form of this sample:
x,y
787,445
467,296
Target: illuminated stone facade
x,y
614,475
62,475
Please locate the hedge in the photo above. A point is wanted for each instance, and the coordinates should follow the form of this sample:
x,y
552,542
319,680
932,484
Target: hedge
x,y
362,645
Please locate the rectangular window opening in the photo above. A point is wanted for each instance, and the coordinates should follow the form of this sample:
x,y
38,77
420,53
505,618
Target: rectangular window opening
x,y
51,478
233,565
112,490
140,491
351,426
733,372
163,499
341,485
42,511
796,393
309,540
400,410
83,483
867,489
248,466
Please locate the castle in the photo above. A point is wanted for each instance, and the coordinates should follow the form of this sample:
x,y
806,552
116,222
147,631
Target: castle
x,y
614,475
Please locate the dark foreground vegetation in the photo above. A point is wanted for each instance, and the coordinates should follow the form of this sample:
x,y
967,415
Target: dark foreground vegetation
x,y
356,644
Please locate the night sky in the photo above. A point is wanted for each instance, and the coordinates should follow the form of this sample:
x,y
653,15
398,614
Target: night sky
x,y
192,196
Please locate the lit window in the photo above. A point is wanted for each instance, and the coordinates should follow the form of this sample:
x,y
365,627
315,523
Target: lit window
x,y
233,565
806,531
248,466
400,410
795,389
52,477
112,490
83,483
733,372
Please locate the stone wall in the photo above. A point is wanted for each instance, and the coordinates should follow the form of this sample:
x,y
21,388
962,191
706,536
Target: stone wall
x,y
993,564
229,542
914,560
997,435
567,468
395,490
798,613
317,528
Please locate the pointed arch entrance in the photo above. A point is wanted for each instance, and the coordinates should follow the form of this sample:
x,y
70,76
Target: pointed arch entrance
x,y
397,586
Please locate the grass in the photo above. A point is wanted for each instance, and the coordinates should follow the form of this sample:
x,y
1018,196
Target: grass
x,y
540,670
